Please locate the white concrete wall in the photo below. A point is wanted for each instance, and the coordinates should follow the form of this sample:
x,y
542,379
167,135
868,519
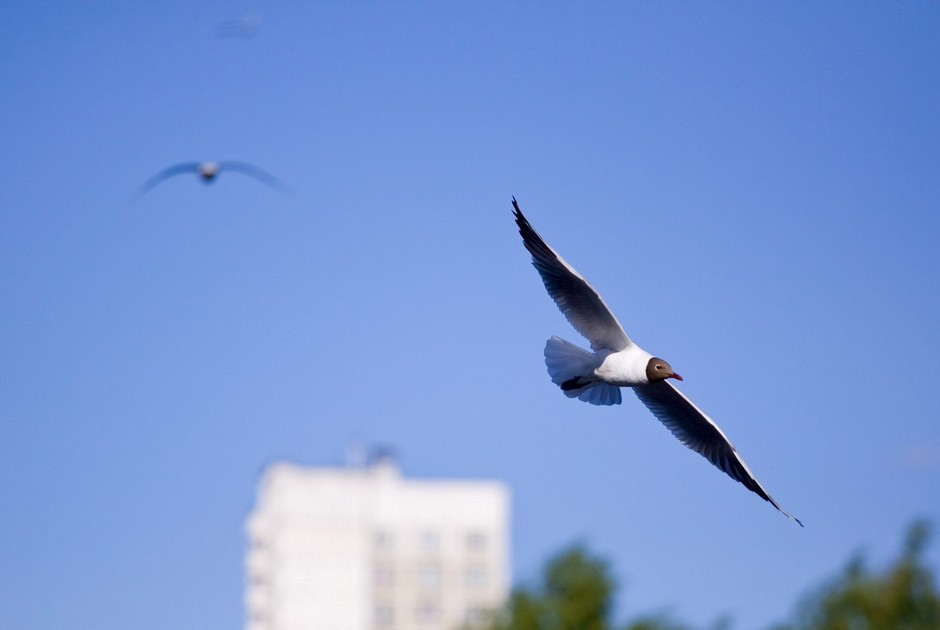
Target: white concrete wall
x,y
365,549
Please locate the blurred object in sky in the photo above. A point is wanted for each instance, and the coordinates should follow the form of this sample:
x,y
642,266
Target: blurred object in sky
x,y
208,172
923,456
245,27
360,548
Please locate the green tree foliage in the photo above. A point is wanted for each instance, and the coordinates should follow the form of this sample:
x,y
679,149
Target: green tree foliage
x,y
655,622
576,589
902,597
574,593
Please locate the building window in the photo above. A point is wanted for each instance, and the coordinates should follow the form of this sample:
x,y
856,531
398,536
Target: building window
x,y
475,576
384,615
476,616
428,612
430,541
384,575
429,576
384,540
476,542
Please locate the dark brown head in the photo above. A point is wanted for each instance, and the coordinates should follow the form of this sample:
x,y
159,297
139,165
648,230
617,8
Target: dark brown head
x,y
659,370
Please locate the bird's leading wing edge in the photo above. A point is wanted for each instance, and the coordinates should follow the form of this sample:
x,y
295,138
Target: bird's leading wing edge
x,y
581,305
698,432
253,171
168,172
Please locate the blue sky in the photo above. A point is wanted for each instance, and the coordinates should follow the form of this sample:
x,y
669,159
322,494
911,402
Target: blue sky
x,y
753,188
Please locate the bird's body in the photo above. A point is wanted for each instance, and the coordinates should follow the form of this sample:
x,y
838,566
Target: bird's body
x,y
624,368
209,171
615,361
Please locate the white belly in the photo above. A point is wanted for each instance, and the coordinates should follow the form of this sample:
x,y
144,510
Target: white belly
x,y
625,368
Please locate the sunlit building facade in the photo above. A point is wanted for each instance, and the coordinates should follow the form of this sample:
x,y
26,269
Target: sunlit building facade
x,y
362,548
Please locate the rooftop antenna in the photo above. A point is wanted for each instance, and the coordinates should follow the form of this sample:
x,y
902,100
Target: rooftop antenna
x,y
382,455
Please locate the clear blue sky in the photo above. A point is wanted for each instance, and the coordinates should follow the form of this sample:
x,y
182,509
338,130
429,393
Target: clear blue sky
x,y
753,188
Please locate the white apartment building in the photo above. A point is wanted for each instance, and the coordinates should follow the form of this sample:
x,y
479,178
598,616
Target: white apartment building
x,y
361,548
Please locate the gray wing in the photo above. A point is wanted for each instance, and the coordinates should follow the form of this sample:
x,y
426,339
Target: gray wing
x,y
697,431
581,305
168,172
252,171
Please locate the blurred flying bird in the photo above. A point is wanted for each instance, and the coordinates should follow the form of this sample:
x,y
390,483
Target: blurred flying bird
x,y
596,377
245,27
208,172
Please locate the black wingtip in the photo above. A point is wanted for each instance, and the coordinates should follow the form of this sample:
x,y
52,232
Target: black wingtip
x,y
521,221
785,513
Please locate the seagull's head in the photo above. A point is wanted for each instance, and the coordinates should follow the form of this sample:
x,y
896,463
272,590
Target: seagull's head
x,y
659,370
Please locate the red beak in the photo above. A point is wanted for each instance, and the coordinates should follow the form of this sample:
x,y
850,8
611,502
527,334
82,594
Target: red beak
x,y
676,376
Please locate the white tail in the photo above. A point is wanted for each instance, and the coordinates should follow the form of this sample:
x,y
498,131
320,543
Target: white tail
x,y
570,367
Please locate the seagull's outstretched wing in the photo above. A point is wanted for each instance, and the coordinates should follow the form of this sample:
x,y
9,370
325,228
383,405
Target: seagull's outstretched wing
x,y
253,171
168,172
580,304
697,431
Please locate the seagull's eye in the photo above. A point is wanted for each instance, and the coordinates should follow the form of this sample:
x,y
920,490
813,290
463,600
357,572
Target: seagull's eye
x,y
659,366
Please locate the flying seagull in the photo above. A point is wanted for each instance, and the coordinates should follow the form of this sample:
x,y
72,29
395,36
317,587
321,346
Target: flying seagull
x,y
246,27
596,377
208,172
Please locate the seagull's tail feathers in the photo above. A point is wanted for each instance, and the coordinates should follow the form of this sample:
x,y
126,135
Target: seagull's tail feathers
x,y
598,393
570,367
566,362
